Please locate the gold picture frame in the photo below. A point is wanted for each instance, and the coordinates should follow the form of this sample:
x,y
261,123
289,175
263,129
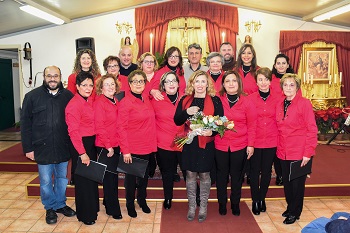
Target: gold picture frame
x,y
318,63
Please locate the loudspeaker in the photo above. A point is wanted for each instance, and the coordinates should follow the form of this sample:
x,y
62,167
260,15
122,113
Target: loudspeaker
x,y
85,43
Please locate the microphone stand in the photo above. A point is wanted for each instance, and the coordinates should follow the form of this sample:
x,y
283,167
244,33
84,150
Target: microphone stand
x,y
346,123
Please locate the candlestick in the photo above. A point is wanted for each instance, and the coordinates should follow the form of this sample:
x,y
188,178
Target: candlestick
x,y
150,42
304,78
340,76
335,78
312,79
330,77
223,37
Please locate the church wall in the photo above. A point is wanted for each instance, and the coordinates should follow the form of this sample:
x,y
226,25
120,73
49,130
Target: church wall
x,y
56,45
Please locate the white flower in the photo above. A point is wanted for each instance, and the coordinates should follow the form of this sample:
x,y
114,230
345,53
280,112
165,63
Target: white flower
x,y
205,120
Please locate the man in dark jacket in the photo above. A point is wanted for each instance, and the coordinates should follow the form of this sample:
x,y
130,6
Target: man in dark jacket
x,y
45,140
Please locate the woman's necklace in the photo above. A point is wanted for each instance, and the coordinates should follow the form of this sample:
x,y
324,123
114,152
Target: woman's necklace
x,y
232,102
217,73
177,96
246,71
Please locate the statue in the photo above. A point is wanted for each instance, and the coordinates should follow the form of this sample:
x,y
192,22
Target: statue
x,y
134,47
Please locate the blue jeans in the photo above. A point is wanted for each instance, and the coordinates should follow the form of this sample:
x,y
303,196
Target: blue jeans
x,y
53,195
318,225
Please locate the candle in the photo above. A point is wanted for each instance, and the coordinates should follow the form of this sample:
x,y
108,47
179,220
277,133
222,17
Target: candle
x,y
330,82
312,79
330,78
304,78
223,37
150,42
340,76
335,78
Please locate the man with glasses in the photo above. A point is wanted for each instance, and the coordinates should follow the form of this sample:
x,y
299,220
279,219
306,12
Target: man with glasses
x,y
194,57
226,50
45,140
126,65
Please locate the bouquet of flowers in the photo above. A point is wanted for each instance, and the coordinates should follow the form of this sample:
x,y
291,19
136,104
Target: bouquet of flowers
x,y
199,122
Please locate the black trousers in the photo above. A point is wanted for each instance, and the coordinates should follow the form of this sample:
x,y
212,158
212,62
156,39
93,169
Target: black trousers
x,y
110,184
86,191
293,190
261,162
232,163
168,162
132,182
277,166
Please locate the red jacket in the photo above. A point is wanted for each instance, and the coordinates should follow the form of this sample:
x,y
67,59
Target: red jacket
x,y
249,83
218,83
106,122
136,126
297,132
80,120
123,80
156,79
165,125
72,84
243,114
266,125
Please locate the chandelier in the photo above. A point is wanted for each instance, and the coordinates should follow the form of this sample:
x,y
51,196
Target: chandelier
x,y
125,26
253,25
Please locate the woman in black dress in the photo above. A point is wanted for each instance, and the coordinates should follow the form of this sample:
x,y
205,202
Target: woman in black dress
x,y
198,157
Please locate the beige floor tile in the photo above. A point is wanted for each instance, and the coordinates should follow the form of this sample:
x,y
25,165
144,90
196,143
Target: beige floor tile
x,y
268,227
13,195
37,205
3,181
4,223
15,181
307,215
275,206
8,176
97,227
21,225
315,204
262,217
275,216
5,203
11,213
143,217
116,227
42,226
68,227
322,213
156,228
68,219
291,228
302,224
335,204
140,227
32,214
157,217
20,188
7,187
21,204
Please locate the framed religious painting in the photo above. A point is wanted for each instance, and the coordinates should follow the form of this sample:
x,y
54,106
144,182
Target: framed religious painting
x,y
318,63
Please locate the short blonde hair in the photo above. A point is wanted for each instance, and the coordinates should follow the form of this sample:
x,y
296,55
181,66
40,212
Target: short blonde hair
x,y
210,88
295,77
99,84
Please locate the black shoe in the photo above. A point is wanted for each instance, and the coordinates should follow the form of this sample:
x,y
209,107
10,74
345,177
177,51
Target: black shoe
x,y
248,180
167,204
235,209
262,206
290,219
285,214
222,209
89,223
279,181
51,216
117,216
66,211
255,208
131,211
145,208
176,177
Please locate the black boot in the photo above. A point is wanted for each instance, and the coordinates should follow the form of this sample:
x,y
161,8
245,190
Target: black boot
x,y
235,209
222,208
262,206
255,208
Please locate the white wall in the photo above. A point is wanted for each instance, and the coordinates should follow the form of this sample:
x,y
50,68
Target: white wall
x,y
56,45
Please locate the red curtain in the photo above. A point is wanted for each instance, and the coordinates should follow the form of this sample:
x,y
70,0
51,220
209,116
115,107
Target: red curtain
x,y
154,19
291,43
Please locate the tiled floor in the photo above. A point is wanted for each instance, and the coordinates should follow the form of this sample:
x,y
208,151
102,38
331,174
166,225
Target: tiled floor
x,y
21,214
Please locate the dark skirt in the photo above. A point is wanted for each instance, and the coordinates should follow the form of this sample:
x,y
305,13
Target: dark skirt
x,y
86,191
196,159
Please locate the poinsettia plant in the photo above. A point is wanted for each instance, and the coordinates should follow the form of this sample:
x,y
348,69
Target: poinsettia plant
x,y
329,119
323,121
337,116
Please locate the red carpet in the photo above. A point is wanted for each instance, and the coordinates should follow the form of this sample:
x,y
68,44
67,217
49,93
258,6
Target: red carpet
x,y
14,160
175,220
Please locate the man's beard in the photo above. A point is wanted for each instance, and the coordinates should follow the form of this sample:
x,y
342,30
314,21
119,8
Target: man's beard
x,y
47,85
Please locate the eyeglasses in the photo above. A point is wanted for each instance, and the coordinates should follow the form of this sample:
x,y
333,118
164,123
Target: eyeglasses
x,y
112,66
109,84
174,57
87,85
168,82
215,62
148,62
135,82
49,76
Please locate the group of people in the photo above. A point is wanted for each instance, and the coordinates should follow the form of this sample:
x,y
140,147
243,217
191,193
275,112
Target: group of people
x,y
136,110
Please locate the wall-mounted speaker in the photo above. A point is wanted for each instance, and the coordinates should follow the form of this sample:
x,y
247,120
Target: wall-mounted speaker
x,y
85,43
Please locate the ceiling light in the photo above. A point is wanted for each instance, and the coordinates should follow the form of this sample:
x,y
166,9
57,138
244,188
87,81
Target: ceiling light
x,y
41,14
332,13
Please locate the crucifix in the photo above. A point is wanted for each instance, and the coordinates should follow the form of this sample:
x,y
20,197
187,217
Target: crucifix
x,y
185,29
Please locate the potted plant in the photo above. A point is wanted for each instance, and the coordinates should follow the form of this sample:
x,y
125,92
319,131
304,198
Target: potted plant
x,y
323,122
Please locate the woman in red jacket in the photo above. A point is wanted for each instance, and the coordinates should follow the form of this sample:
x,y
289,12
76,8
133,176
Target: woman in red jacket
x,y
107,140
297,140
172,62
215,61
137,135
265,140
111,65
168,154
246,67
81,128
234,148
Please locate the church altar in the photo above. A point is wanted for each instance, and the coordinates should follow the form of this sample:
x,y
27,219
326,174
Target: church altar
x,y
325,103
